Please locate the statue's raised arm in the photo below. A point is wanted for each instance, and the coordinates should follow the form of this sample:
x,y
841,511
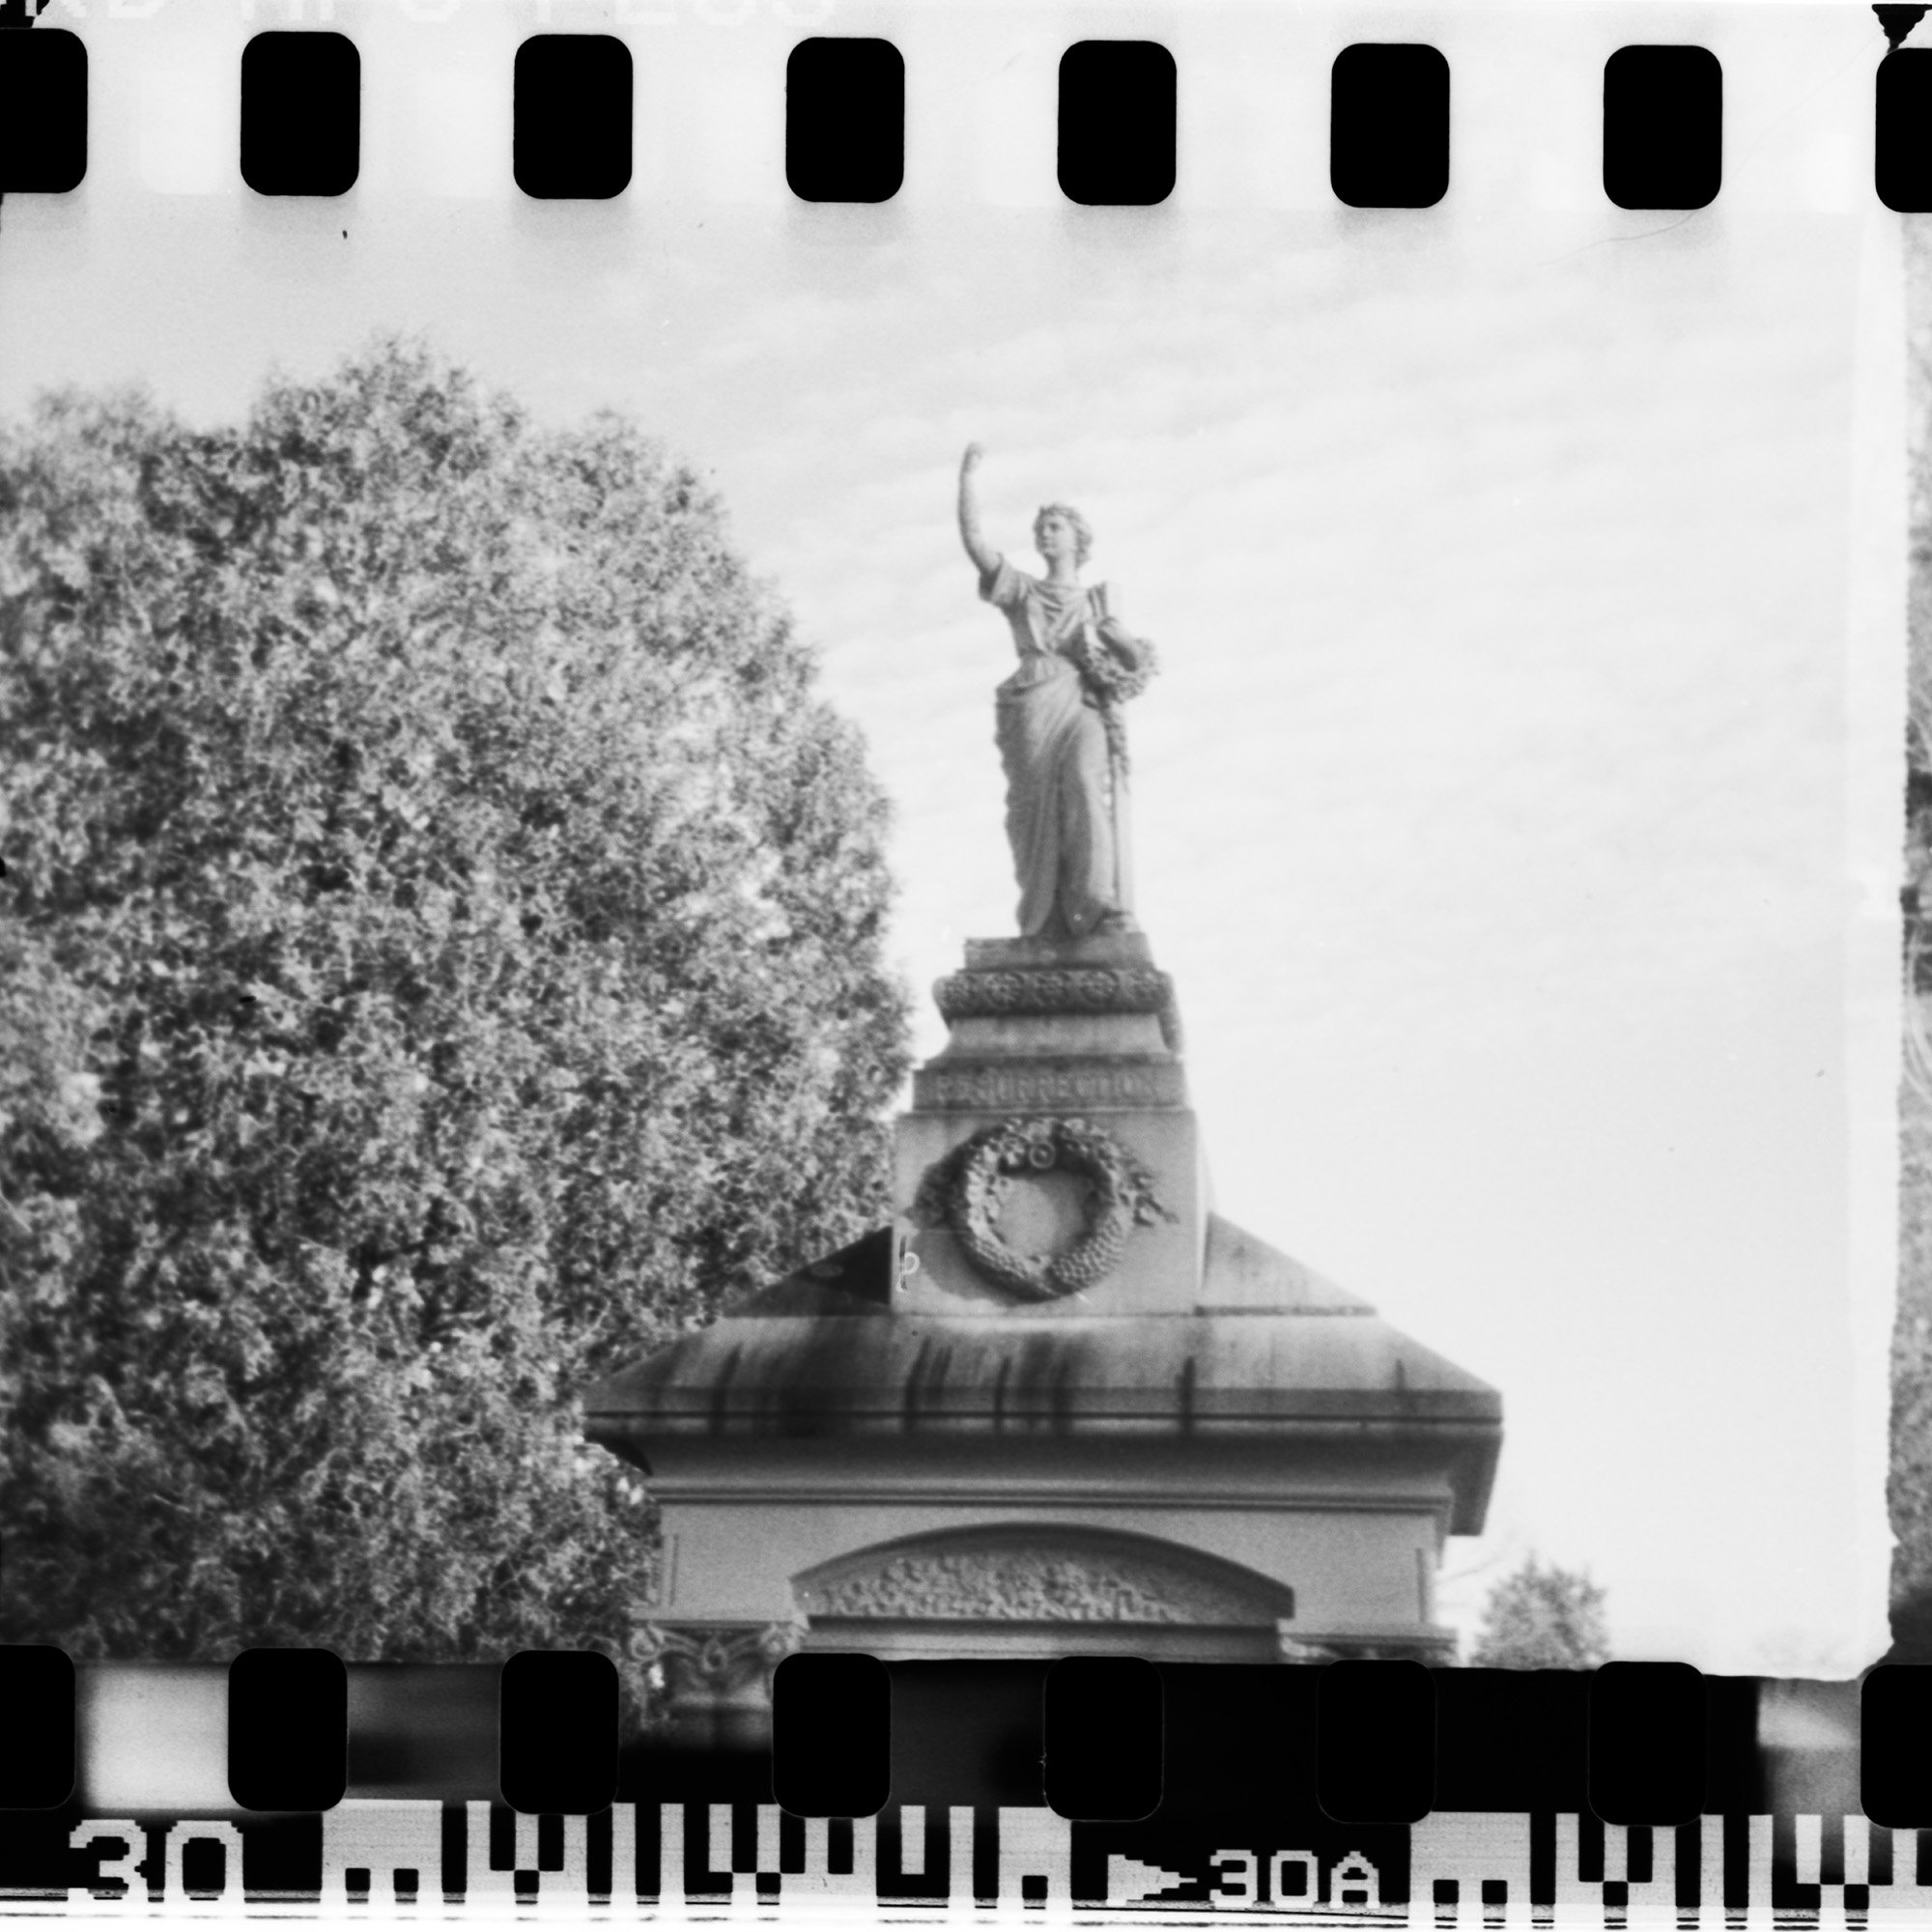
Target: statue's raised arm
x,y
983,554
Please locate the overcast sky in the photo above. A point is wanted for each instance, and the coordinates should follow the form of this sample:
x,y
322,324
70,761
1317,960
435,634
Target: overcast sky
x,y
1494,811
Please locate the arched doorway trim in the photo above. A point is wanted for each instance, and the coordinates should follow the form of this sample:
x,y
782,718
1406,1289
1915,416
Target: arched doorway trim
x,y
1041,1573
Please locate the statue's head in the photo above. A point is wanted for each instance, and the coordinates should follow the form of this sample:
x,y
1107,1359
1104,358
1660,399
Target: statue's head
x,y
1071,522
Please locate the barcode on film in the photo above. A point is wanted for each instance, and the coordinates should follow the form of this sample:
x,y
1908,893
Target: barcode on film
x,y
1487,1867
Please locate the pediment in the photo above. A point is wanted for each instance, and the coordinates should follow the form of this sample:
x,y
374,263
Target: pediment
x,y
1025,1572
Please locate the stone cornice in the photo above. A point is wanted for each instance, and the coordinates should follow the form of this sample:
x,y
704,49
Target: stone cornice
x,y
1436,1505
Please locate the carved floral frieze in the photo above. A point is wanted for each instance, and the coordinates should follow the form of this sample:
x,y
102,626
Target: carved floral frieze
x,y
1053,989
1036,1585
1060,989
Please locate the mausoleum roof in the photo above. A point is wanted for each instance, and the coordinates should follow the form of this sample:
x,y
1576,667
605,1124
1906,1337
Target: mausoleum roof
x,y
1272,1351
1056,1276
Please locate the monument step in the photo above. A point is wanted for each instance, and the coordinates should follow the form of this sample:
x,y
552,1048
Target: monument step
x,y
1128,947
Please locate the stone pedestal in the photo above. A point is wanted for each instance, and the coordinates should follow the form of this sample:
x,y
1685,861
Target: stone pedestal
x,y
1038,1034
1059,1405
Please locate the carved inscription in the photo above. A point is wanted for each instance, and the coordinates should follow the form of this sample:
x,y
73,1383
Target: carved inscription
x,y
995,1088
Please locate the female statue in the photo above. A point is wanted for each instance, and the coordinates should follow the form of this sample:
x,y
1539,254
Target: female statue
x,y
1059,725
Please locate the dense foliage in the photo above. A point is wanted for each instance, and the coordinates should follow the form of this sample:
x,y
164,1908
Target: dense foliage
x,y
1909,1482
441,959
1541,1617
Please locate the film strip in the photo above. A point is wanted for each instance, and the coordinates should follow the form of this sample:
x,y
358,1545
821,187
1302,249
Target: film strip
x,y
1091,1782
474,1188
843,113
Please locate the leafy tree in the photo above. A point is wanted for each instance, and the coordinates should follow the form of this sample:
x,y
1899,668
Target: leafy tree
x,y
1541,1617
441,961
1909,1480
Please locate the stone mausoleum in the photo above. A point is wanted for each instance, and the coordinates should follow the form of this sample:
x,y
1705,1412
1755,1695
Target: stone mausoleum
x,y
1059,1404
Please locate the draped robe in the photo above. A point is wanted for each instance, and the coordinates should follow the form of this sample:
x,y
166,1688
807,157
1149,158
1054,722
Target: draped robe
x,y
1062,796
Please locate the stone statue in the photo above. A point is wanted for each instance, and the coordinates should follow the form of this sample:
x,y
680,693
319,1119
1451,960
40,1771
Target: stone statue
x,y
1059,725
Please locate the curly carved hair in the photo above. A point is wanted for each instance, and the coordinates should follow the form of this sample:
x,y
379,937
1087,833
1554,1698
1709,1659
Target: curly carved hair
x,y
1083,530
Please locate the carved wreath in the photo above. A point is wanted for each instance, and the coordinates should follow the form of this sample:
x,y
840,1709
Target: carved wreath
x,y
1110,678
1109,674
963,1192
